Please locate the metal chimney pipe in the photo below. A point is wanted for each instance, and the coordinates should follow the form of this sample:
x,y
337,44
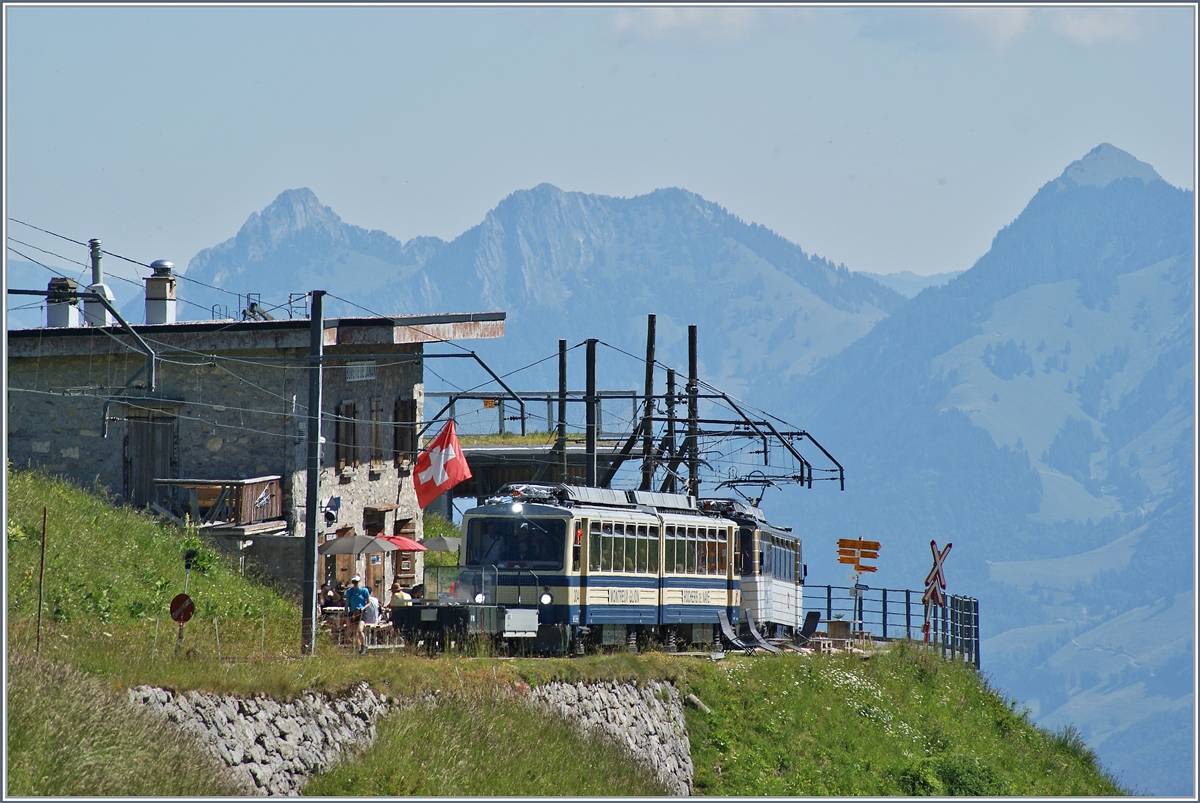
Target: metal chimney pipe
x,y
95,312
97,272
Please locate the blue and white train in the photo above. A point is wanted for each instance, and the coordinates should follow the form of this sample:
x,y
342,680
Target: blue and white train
x,y
576,567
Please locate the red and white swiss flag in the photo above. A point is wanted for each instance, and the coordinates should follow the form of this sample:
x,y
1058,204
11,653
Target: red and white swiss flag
x,y
440,467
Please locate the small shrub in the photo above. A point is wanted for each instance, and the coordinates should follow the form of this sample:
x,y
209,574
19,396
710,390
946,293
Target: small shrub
x,y
950,774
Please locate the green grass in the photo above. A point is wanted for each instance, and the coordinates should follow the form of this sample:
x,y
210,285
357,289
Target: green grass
x,y
508,439
903,722
72,734
434,525
487,743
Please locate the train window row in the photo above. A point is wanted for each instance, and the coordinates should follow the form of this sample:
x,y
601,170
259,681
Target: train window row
x,y
623,547
633,548
778,559
695,550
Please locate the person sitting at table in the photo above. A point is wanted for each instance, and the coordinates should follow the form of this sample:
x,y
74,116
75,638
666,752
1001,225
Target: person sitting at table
x,y
400,599
418,591
329,597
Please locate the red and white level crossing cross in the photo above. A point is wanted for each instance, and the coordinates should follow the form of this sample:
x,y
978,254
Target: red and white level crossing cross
x,y
935,584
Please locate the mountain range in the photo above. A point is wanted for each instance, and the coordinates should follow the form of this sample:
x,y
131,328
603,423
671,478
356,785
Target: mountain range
x,y
1036,409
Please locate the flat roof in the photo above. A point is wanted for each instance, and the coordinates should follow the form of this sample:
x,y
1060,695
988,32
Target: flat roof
x,y
229,335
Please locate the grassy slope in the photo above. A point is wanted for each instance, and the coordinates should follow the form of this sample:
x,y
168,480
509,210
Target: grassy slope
x,y
904,722
485,744
71,734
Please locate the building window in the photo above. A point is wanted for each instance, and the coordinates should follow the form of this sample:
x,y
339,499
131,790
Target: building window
x,y
347,435
406,429
376,433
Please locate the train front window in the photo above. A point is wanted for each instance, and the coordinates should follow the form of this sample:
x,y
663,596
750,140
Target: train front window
x,y
516,542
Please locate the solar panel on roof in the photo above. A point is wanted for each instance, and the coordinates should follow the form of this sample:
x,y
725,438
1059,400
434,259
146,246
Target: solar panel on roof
x,y
655,499
596,496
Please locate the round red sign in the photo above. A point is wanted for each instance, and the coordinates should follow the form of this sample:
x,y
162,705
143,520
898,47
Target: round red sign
x,y
182,608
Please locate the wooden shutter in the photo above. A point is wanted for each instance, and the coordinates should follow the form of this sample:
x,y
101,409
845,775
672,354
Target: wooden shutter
x,y
376,433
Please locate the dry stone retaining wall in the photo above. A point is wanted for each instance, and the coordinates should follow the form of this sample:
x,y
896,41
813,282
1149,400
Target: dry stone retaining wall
x,y
271,747
649,721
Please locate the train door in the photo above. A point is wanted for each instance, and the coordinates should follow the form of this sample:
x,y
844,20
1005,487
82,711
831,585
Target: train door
x,y
660,545
589,561
727,557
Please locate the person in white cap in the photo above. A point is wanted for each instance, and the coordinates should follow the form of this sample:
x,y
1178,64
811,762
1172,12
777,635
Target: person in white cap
x,y
357,598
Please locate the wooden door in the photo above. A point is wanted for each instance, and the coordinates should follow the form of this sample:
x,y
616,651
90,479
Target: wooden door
x,y
150,453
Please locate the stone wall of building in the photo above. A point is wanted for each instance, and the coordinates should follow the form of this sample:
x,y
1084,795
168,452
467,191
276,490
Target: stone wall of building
x,y
231,417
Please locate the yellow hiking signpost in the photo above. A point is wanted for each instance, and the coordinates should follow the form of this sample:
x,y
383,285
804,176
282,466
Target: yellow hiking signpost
x,y
854,552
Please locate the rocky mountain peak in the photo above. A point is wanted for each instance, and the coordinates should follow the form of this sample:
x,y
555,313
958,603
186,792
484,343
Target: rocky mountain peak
x,y
290,212
1106,163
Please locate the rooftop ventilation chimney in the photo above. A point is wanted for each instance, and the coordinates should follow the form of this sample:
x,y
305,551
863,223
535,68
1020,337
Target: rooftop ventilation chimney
x,y
62,308
160,293
94,311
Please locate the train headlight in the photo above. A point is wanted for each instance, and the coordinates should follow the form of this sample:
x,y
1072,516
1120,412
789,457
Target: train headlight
x,y
546,598
517,507
479,598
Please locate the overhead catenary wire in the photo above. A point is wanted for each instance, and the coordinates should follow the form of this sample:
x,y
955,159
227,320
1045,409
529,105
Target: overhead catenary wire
x,y
702,383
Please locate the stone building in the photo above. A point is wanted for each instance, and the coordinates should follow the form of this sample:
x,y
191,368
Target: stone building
x,y
221,436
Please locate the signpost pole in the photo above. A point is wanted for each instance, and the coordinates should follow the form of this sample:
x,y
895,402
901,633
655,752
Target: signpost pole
x,y
41,583
308,579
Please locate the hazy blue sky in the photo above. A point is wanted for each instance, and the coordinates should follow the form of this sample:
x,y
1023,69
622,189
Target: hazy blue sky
x,y
887,139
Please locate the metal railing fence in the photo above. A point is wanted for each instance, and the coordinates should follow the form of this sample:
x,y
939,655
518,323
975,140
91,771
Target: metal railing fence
x,y
891,613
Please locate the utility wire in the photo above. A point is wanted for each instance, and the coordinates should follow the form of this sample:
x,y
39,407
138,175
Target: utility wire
x,y
138,285
127,259
701,382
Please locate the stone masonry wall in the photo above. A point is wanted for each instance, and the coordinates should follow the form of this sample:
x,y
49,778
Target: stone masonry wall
x,y
649,721
272,748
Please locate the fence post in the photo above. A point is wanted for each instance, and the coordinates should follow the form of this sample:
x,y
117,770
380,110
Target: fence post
x,y
958,627
154,647
907,613
968,631
884,606
945,630
828,603
975,613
